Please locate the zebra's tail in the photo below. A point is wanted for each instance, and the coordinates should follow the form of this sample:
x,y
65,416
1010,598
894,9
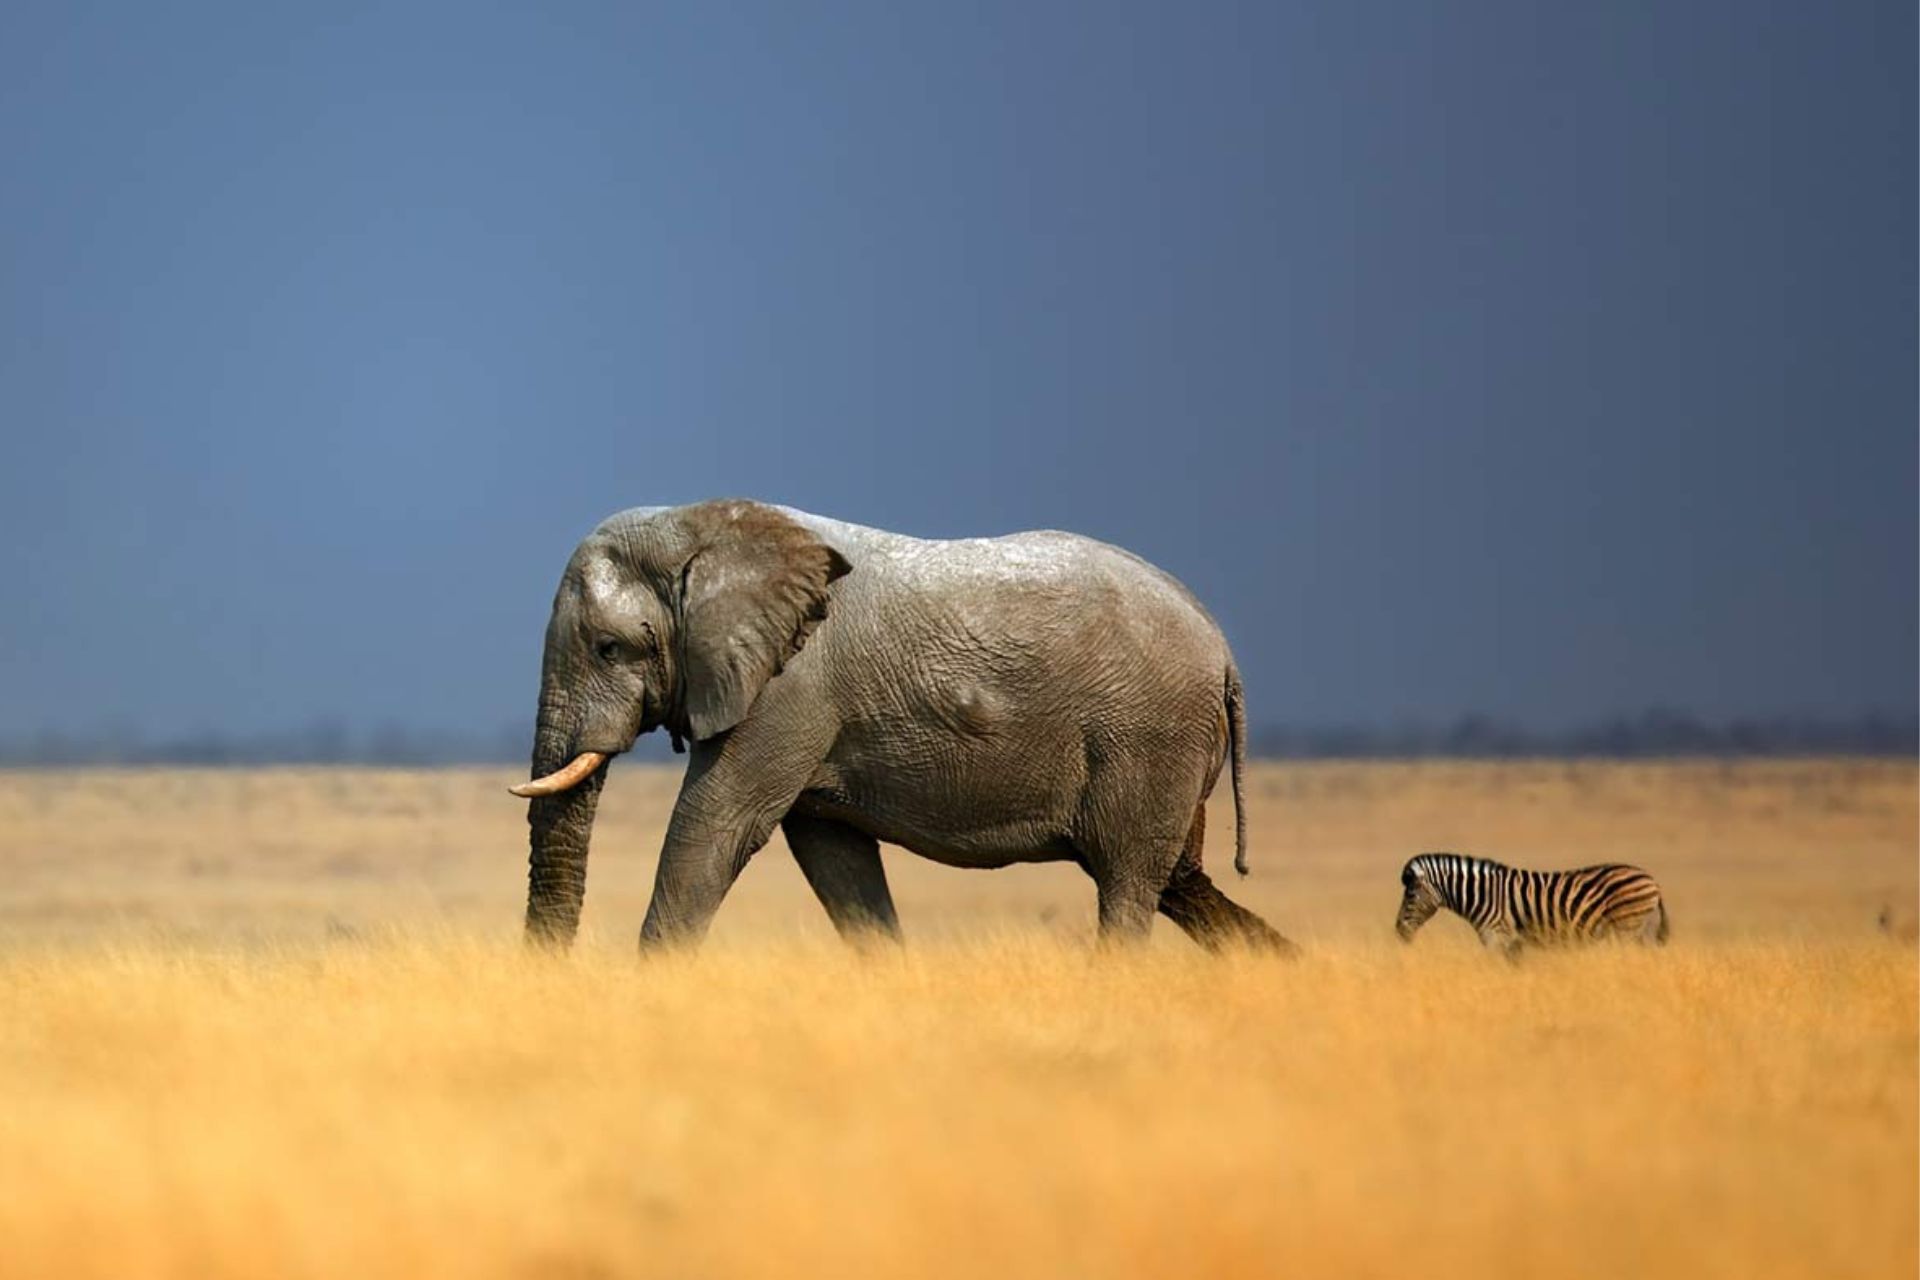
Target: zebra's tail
x,y
1237,738
1660,930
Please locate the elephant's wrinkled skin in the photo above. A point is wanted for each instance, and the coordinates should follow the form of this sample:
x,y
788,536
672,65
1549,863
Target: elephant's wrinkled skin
x,y
981,702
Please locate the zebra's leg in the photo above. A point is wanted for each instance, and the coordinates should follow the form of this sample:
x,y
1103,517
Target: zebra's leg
x,y
1505,941
1653,926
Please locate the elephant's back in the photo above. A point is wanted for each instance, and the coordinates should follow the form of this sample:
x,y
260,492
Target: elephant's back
x,y
1121,593
1021,594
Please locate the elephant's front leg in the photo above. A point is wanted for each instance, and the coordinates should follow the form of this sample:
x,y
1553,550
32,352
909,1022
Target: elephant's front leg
x,y
738,787
843,866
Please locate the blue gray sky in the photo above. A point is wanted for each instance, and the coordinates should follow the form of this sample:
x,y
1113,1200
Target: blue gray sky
x,y
1540,361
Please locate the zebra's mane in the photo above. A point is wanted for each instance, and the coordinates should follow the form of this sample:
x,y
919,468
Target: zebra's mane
x,y
1466,861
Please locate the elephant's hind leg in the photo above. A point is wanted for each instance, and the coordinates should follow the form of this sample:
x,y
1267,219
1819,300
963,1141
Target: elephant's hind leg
x,y
1129,874
1134,830
1126,908
1192,901
843,866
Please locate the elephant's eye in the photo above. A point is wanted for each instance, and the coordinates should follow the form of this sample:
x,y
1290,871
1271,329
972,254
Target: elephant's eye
x,y
608,648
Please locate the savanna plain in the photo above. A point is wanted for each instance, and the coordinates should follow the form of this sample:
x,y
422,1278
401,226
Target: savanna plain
x,y
279,1023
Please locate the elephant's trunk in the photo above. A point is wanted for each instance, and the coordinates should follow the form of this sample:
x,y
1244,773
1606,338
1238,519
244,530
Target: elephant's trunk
x,y
562,825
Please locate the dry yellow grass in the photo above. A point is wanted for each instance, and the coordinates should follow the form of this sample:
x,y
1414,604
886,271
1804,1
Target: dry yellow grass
x,y
277,1024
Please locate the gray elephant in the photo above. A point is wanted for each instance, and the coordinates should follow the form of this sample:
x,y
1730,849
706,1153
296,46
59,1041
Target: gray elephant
x,y
985,701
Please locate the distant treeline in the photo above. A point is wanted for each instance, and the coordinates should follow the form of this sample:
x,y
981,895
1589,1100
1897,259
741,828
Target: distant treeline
x,y
1655,733
1649,734
325,742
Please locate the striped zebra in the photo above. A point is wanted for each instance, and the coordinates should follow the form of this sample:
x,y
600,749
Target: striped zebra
x,y
1510,908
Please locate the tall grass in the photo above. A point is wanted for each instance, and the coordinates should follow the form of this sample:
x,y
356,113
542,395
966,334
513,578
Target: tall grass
x,y
277,1023
1011,1106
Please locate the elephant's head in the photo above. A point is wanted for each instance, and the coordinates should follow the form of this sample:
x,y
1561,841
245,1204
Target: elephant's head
x,y
673,617
1419,899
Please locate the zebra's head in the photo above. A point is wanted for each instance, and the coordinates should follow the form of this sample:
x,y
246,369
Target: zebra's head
x,y
1419,897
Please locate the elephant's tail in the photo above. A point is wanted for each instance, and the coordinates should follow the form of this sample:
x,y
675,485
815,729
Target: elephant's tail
x,y
1237,738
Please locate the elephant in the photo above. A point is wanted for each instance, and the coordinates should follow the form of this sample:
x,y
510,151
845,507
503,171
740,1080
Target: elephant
x,y
980,701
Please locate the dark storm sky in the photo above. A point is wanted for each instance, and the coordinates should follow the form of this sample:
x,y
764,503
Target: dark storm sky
x,y
1545,361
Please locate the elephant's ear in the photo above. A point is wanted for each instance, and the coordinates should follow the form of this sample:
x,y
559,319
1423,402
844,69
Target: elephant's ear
x,y
752,593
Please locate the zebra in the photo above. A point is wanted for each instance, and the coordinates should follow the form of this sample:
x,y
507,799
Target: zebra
x,y
1509,907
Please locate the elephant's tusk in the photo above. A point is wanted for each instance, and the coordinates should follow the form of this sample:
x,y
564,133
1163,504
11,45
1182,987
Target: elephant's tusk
x,y
562,779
